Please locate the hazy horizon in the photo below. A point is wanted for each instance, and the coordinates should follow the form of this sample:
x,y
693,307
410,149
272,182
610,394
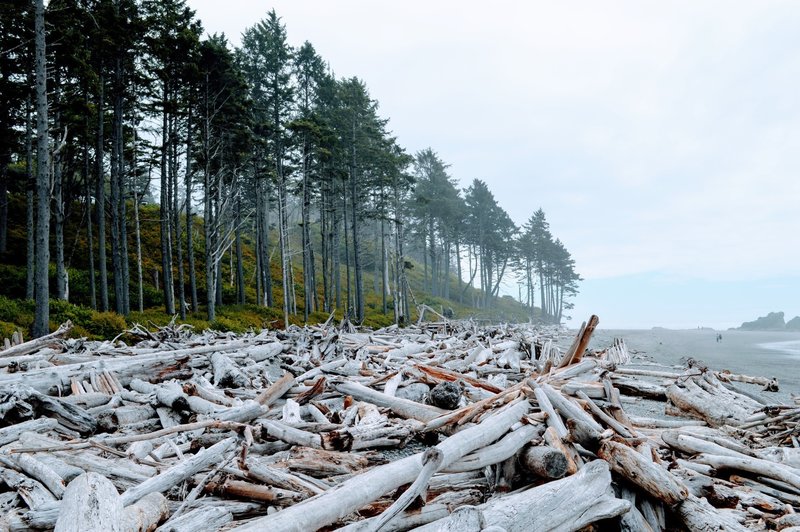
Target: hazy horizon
x,y
660,139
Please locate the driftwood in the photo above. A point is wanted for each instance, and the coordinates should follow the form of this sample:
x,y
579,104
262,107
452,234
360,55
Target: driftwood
x,y
366,487
304,428
566,504
90,503
544,461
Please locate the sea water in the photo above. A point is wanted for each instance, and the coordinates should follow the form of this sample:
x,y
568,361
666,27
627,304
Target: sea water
x,y
755,353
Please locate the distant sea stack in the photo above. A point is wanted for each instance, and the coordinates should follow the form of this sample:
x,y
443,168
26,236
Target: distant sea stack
x,y
774,321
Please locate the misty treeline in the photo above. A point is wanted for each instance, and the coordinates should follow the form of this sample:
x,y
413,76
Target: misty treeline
x,y
108,105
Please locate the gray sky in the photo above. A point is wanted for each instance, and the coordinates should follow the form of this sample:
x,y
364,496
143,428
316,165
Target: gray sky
x,y
662,139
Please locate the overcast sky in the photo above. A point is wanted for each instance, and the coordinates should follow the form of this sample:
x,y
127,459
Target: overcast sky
x,y
662,139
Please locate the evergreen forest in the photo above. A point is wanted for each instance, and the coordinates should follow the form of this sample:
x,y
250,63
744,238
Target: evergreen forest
x,y
148,170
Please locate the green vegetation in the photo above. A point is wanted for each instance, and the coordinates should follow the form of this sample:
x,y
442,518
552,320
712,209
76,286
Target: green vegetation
x,y
174,170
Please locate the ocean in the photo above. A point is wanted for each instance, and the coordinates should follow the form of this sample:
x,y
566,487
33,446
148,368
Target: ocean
x,y
756,353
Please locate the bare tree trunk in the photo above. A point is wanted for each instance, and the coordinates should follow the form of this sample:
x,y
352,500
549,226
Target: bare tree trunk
x,y
123,230
359,288
263,232
175,220
166,252
100,199
240,298
58,203
189,217
89,222
138,229
41,324
308,261
116,178
282,242
30,187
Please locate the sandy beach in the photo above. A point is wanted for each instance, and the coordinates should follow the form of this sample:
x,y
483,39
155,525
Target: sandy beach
x,y
768,354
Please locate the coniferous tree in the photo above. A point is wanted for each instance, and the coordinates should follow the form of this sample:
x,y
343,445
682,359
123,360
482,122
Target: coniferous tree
x,y
41,325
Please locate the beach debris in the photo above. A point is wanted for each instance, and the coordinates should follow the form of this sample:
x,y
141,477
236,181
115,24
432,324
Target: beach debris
x,y
445,425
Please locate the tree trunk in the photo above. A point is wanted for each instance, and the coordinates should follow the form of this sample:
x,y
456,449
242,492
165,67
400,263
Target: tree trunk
x,y
239,258
41,324
100,201
116,178
308,279
89,222
176,219
166,255
30,188
58,203
359,288
189,218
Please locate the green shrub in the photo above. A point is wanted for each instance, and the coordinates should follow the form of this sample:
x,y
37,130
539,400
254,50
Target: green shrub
x,y
7,329
106,324
224,324
9,309
61,311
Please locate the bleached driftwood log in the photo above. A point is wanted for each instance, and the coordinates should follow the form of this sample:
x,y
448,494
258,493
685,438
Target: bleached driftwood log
x,y
699,516
91,504
145,514
37,343
654,479
544,461
562,505
179,472
124,368
352,494
705,397
401,407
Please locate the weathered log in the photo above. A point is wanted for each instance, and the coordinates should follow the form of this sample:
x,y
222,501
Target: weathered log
x,y
640,388
208,518
41,472
255,492
654,479
574,461
438,508
401,407
276,390
699,516
91,504
752,465
31,491
431,461
71,416
575,352
13,432
124,368
544,461
169,394
37,343
322,463
145,514
553,419
620,429
354,493
179,472
226,373
712,402
632,520
562,505
280,478
504,449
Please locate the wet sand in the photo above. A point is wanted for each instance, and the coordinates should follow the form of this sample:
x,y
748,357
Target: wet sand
x,y
766,354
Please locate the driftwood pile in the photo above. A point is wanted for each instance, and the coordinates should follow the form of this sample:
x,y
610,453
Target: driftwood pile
x,y
443,426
